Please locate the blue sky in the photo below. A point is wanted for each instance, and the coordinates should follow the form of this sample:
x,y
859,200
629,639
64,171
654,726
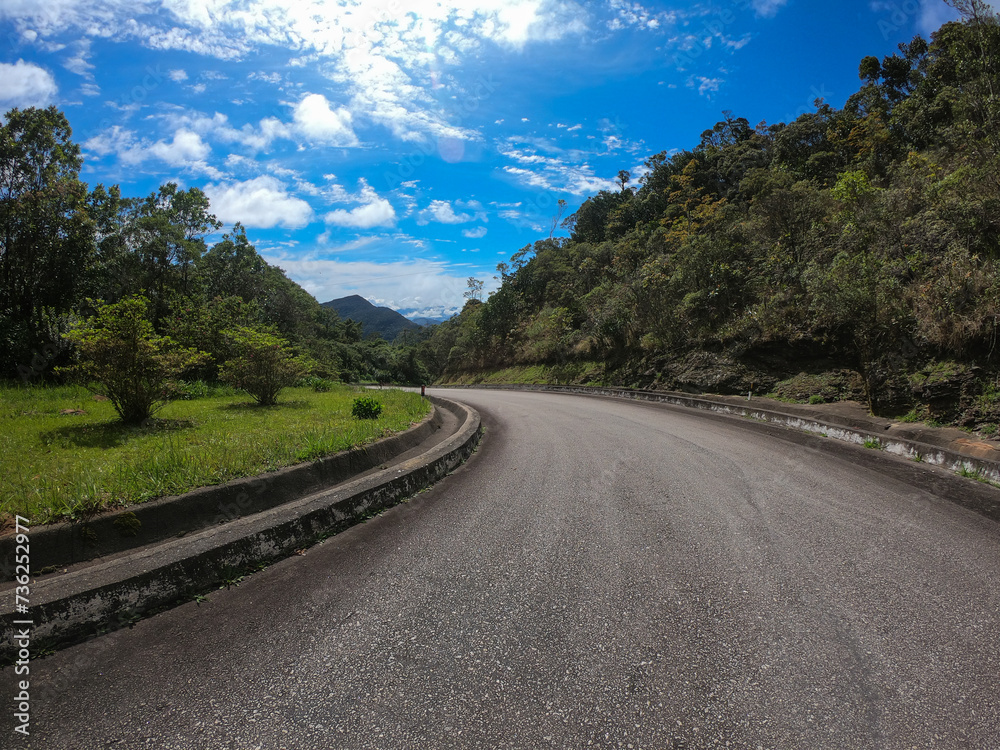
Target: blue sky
x,y
393,149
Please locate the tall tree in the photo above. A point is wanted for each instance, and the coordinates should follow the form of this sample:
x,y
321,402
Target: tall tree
x,y
45,233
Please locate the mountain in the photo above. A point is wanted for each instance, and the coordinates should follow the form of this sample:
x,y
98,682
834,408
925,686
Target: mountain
x,y
373,319
428,321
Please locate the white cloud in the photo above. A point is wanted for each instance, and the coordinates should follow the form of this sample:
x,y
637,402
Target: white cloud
x,y
378,213
375,212
475,233
379,54
273,78
178,75
26,85
317,121
706,86
217,126
443,213
768,8
80,63
261,202
565,172
185,148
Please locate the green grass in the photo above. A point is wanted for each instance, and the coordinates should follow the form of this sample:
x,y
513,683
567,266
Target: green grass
x,y
60,466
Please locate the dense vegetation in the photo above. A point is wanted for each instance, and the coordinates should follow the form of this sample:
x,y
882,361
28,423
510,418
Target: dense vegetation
x,y
851,253
64,247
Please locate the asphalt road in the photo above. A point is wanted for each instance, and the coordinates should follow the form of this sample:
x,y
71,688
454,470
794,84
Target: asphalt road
x,y
600,574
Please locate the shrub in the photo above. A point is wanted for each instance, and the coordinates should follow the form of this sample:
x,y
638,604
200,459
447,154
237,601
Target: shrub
x,y
366,407
120,357
263,365
191,390
320,385
816,399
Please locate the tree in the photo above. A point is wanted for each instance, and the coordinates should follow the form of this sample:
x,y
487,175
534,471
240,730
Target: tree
x,y
45,234
557,217
232,268
168,231
121,358
263,365
475,290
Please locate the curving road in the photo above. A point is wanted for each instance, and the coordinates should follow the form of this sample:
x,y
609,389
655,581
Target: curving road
x,y
601,574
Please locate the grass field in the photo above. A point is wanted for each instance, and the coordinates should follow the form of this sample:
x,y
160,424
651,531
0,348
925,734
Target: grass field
x,y
58,464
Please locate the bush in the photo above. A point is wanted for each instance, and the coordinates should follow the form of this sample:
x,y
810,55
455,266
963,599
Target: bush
x,y
366,407
121,358
263,364
320,385
816,399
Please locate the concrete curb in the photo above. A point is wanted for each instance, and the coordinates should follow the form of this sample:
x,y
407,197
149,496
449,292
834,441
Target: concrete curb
x,y
106,595
139,525
856,433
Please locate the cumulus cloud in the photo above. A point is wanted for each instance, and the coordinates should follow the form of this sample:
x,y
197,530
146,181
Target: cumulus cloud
x,y
186,147
26,85
315,118
375,212
262,202
217,126
475,233
443,212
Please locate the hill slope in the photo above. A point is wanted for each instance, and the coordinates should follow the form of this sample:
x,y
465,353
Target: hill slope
x,y
373,319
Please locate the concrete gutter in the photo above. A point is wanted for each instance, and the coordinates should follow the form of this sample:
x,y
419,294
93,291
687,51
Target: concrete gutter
x,y
917,444
110,593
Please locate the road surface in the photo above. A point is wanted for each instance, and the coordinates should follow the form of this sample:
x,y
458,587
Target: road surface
x,y
601,574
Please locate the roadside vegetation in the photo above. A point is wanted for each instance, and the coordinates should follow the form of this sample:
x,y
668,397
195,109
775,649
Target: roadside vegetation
x,y
67,455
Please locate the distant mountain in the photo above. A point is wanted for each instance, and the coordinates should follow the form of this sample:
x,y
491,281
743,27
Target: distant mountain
x,y
428,321
373,319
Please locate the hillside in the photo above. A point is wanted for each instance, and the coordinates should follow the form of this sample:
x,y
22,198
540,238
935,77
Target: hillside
x,y
373,319
849,254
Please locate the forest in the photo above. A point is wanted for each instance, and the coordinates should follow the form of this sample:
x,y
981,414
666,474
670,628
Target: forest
x,y
852,253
